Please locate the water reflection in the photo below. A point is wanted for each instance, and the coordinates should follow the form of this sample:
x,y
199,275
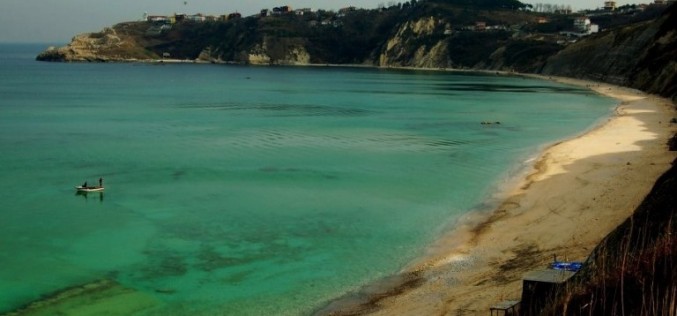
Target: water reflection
x,y
88,195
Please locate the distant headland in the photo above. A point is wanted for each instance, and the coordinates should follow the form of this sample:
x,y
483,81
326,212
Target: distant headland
x,y
613,44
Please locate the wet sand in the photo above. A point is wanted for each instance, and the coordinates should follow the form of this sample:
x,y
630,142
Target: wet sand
x,y
578,191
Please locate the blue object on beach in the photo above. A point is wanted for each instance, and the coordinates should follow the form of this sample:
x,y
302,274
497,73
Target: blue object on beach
x,y
568,266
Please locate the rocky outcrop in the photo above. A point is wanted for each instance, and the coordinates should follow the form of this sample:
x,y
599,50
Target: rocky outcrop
x,y
276,51
639,55
432,42
106,45
129,42
418,43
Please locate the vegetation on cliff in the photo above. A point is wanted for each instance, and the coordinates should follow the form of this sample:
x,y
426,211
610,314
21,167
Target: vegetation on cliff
x,y
641,55
355,36
460,34
633,270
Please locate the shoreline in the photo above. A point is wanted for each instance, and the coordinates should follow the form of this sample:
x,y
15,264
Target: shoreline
x,y
578,190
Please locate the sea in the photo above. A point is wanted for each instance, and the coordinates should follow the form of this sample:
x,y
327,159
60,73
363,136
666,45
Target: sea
x,y
248,190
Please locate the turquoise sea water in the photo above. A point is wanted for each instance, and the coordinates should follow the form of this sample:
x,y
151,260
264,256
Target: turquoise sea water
x,y
250,190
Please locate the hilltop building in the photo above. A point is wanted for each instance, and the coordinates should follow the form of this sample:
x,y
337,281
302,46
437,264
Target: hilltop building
x,y
609,5
582,27
282,10
303,11
582,23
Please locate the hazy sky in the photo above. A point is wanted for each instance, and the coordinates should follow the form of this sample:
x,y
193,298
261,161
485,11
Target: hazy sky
x,y
56,21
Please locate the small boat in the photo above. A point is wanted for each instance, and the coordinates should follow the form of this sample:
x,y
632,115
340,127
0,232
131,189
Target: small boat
x,y
88,189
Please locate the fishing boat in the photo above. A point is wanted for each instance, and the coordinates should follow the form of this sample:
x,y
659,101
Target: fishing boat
x,y
88,189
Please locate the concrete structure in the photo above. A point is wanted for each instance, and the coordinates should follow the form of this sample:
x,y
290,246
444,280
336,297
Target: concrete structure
x,y
505,308
539,287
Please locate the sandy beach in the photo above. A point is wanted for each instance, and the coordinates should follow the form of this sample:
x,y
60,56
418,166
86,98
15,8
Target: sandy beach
x,y
578,191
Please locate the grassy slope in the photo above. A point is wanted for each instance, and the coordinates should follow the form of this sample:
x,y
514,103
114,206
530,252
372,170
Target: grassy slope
x,y
634,270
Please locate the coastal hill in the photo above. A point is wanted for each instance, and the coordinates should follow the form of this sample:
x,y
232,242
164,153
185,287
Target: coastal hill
x,y
636,46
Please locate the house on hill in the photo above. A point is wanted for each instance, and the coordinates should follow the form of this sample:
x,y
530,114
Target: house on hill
x,y
582,27
196,18
158,19
609,5
303,11
234,15
582,23
282,10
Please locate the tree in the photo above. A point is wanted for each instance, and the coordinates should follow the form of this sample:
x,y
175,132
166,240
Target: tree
x,y
485,4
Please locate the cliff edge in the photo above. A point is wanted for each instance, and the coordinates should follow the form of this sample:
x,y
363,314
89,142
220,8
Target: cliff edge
x,y
119,43
638,52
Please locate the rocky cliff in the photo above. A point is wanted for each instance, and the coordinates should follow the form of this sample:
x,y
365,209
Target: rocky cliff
x,y
417,43
111,44
426,35
277,51
642,56
138,41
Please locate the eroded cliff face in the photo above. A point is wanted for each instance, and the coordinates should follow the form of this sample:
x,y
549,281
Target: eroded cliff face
x,y
276,51
642,56
638,55
112,44
417,43
433,42
657,73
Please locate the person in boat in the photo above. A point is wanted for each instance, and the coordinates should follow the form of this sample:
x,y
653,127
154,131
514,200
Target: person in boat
x,y
101,182
84,185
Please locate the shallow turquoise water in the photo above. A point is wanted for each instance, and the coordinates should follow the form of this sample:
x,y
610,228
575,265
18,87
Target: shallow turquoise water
x,y
250,190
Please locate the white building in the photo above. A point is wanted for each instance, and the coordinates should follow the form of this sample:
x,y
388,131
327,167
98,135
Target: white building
x,y
609,5
582,23
583,27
